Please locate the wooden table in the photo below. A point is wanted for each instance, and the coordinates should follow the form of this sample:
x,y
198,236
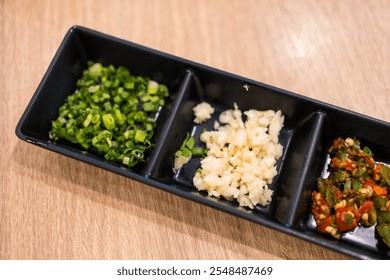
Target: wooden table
x,y
53,207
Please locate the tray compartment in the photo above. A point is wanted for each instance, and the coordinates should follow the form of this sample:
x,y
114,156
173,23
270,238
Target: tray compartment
x,y
160,166
301,169
372,133
78,47
299,137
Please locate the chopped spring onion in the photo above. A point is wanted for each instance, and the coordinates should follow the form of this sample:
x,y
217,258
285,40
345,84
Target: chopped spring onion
x,y
109,121
111,112
186,151
152,87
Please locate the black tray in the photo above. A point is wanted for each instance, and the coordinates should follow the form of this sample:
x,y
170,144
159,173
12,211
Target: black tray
x,y
309,128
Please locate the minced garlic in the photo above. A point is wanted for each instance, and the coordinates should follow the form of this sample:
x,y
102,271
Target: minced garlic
x,y
241,159
202,112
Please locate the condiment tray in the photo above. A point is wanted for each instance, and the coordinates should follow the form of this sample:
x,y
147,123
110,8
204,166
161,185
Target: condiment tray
x,y
309,129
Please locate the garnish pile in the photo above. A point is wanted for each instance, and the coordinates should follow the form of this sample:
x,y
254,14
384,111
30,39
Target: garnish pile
x,y
356,192
111,113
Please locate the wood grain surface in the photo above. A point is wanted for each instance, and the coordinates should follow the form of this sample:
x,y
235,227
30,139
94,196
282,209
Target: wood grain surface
x,y
54,207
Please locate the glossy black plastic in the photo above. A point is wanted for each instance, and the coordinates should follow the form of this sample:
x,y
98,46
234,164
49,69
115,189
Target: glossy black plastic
x,y
310,126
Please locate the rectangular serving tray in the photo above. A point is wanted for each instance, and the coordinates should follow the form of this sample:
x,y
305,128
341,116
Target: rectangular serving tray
x,y
309,128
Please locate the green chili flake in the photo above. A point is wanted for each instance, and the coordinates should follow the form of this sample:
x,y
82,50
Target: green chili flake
x,y
349,219
367,151
385,173
112,111
347,185
379,201
356,185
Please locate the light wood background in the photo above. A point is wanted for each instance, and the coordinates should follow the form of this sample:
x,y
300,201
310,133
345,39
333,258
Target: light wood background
x,y
53,207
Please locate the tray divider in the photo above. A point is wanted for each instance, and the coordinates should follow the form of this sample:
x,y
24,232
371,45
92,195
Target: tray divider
x,y
300,169
160,151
